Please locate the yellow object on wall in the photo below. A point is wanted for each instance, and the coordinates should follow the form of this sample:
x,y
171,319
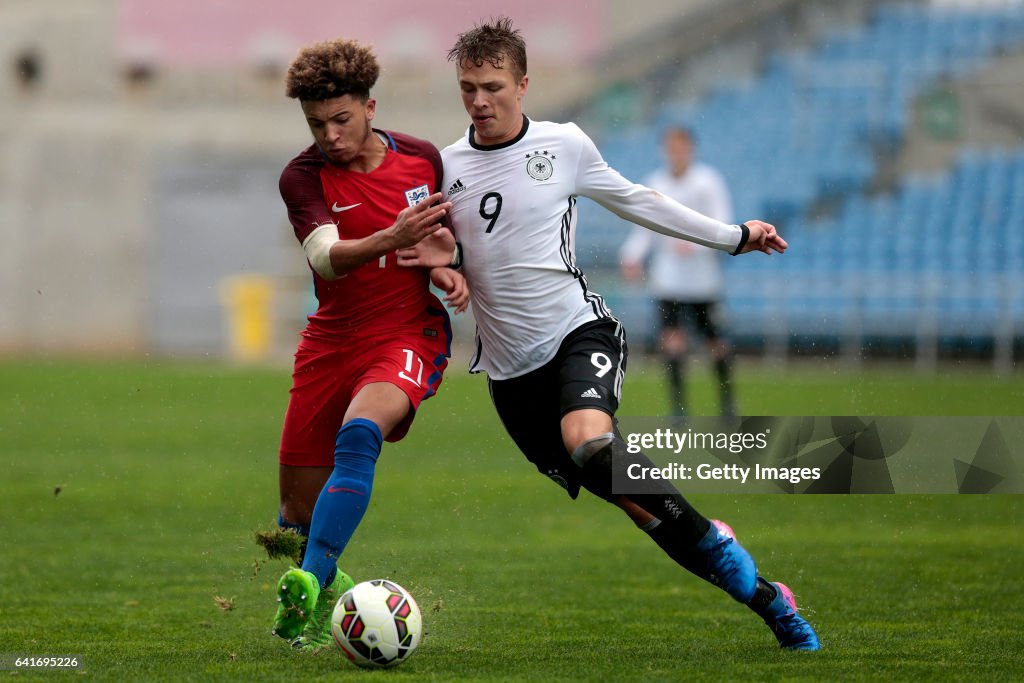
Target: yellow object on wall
x,y
248,300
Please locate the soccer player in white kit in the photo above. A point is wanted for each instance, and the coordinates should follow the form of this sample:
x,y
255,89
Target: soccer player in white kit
x,y
685,278
553,352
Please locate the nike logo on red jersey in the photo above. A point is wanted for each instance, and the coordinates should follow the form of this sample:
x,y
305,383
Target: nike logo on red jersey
x,y
338,209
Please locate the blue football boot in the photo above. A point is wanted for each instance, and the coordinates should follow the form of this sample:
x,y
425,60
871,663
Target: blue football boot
x,y
791,629
730,566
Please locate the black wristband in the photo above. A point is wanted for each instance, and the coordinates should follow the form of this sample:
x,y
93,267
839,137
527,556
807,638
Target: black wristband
x,y
456,257
743,238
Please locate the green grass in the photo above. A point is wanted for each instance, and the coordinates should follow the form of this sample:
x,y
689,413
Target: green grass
x,y
167,469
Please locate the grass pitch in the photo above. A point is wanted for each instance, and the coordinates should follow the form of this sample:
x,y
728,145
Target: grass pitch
x,y
130,494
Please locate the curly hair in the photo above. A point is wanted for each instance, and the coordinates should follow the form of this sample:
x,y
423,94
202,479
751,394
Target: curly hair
x,y
330,69
492,42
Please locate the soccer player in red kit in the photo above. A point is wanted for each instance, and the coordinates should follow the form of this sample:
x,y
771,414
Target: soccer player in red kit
x,y
379,342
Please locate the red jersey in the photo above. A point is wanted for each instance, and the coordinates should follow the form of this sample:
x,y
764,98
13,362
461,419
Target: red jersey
x,y
377,297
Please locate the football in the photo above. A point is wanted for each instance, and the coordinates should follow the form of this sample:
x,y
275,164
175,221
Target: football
x,y
377,624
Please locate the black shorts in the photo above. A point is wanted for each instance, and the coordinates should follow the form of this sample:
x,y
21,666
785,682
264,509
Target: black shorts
x,y
701,314
587,372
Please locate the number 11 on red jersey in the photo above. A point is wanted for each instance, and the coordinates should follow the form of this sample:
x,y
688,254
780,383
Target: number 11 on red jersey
x,y
407,373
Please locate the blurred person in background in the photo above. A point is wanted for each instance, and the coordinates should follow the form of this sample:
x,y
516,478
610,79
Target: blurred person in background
x,y
685,278
379,342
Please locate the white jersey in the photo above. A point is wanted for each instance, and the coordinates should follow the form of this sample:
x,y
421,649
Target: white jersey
x,y
514,212
682,271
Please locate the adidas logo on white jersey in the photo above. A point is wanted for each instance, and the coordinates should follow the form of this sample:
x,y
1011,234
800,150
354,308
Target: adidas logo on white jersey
x,y
590,393
456,187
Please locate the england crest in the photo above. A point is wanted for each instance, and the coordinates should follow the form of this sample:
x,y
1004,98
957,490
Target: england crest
x,y
417,195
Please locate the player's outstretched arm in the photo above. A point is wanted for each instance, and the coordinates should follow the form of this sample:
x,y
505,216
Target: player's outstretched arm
x,y
434,251
653,210
454,284
764,238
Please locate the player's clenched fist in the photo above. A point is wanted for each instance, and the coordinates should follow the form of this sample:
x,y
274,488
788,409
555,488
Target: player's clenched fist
x,y
454,284
416,222
763,238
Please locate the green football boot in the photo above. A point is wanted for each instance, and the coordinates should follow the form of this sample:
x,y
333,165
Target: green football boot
x,y
317,633
297,591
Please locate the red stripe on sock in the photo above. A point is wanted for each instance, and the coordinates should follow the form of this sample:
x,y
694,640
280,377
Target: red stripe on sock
x,y
331,489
